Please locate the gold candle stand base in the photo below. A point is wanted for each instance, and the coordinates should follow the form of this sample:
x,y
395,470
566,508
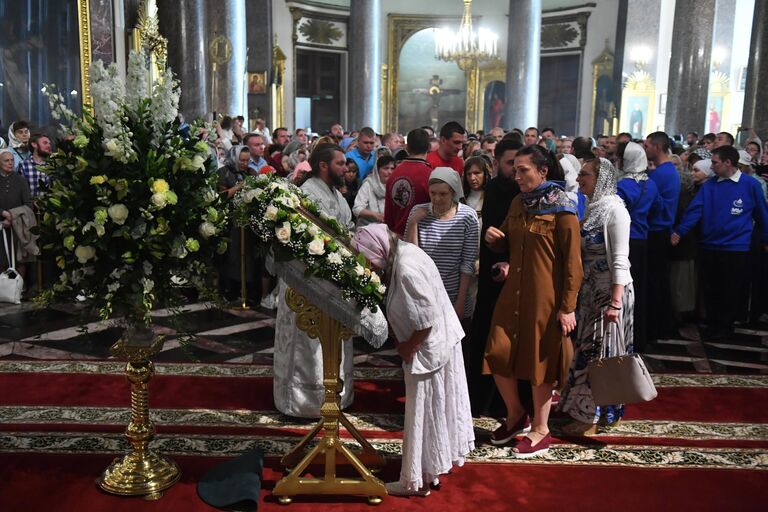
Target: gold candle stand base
x,y
141,472
317,324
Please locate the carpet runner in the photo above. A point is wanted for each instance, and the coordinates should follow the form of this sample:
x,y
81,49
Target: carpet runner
x,y
702,443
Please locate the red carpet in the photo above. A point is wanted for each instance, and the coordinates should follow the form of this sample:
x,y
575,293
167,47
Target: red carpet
x,y
710,454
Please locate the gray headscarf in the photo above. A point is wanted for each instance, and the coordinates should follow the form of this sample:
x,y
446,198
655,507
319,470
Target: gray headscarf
x,y
604,198
233,157
635,163
451,177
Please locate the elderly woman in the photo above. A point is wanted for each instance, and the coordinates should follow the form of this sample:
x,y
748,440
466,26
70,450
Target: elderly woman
x,y
535,311
642,199
369,202
449,232
14,192
606,294
438,424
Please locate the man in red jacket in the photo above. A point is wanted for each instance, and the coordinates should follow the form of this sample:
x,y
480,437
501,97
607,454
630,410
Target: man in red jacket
x,y
452,138
409,183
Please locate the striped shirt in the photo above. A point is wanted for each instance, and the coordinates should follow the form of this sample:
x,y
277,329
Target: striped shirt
x,y
452,244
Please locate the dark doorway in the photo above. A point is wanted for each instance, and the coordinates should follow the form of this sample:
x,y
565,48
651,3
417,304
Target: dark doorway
x,y
559,93
318,79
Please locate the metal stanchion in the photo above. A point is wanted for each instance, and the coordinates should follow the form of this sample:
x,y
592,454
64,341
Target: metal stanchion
x,y
243,285
39,261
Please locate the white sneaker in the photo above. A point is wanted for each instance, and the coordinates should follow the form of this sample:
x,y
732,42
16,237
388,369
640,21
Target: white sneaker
x,y
398,489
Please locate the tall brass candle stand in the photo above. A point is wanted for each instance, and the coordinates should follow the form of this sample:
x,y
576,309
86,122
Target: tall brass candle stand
x,y
141,472
243,285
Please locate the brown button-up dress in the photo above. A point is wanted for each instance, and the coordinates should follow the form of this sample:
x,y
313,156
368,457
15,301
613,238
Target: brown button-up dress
x,y
545,272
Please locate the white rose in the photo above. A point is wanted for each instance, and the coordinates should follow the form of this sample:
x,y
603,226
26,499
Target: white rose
x,y
301,228
271,213
334,258
344,252
206,230
210,196
84,253
313,230
375,279
112,149
159,200
283,232
118,213
316,247
250,195
381,289
359,270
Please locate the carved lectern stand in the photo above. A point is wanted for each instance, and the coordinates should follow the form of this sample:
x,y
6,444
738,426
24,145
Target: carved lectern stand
x,y
319,323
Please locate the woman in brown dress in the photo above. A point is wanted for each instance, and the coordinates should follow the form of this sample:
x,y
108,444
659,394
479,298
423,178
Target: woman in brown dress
x,y
535,311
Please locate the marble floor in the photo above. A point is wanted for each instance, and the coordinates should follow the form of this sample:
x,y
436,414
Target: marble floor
x,y
246,336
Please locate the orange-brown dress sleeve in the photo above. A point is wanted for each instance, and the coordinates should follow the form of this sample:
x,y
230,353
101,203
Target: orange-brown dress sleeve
x,y
569,240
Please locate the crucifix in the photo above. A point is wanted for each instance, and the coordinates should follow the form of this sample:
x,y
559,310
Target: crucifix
x,y
435,93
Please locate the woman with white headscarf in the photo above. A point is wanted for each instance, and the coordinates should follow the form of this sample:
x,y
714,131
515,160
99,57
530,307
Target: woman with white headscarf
x,y
606,293
449,231
571,166
369,202
642,200
438,429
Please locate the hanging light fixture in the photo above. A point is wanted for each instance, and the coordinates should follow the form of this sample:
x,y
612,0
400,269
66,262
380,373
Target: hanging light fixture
x,y
466,46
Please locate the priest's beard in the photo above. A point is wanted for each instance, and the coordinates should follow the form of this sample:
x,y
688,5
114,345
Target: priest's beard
x,y
336,180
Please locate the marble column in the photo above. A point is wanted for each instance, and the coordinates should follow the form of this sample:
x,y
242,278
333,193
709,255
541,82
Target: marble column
x,y
523,54
226,50
689,66
364,64
755,114
183,24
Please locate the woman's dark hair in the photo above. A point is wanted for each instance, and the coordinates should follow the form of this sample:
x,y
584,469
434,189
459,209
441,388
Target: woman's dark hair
x,y
225,123
542,158
401,155
483,165
582,148
384,160
322,153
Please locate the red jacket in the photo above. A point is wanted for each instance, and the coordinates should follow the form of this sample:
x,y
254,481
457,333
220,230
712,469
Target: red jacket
x,y
407,186
435,160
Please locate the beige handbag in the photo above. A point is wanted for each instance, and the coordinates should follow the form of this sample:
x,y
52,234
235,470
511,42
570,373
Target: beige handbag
x,y
621,378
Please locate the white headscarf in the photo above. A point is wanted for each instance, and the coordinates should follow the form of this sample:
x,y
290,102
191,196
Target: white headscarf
x,y
705,166
570,165
604,198
635,163
13,141
452,178
377,187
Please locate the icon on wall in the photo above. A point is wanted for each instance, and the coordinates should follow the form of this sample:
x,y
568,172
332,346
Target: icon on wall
x,y
257,83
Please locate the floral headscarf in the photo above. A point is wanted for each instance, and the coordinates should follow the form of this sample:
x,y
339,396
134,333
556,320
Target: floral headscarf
x,y
604,198
549,197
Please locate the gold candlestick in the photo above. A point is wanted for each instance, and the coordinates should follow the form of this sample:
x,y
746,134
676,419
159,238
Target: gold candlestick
x,y
141,472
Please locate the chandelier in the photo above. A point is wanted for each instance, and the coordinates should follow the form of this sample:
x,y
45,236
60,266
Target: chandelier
x,y
466,46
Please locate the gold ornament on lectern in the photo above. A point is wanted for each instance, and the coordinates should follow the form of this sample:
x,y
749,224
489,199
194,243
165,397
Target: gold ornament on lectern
x,y
331,333
141,472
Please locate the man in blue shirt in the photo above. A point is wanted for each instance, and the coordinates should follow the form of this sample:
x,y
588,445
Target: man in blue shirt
x,y
255,144
725,207
363,153
660,318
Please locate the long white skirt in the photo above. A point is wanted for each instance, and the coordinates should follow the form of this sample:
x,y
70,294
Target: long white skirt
x,y
438,423
298,367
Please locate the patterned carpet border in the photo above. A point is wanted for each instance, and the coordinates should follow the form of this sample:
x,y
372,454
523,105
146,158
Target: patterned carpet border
x,y
371,422
668,457
666,380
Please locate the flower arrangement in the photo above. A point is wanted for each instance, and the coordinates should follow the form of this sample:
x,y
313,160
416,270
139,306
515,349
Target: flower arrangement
x,y
286,220
131,211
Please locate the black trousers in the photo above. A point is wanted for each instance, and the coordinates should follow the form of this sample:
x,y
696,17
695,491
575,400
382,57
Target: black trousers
x,y
659,320
724,281
638,259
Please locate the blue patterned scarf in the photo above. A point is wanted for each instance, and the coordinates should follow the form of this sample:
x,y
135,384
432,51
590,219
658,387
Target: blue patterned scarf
x,y
549,197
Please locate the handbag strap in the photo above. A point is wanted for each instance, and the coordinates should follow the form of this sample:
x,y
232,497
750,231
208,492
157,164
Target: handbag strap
x,y
608,340
12,254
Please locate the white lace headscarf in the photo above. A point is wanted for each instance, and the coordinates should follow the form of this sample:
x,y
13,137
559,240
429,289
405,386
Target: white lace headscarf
x,y
604,198
635,163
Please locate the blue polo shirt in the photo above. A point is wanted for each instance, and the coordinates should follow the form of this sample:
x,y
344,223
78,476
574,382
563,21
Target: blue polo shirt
x,y
668,182
364,165
643,201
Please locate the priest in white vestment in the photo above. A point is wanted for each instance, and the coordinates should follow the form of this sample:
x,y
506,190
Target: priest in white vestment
x,y
438,429
298,359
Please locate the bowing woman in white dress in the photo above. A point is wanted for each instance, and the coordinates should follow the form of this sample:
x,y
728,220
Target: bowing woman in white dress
x,y
438,420
298,359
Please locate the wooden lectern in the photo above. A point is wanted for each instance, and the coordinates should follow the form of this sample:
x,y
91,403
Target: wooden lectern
x,y
330,324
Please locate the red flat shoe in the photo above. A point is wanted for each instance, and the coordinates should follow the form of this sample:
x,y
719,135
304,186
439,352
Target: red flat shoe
x,y
526,450
502,436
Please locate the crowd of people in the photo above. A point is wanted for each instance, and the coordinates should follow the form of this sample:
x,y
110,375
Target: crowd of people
x,y
511,258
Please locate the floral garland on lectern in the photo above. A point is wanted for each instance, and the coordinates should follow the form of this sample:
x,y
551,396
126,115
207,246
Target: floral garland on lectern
x,y
131,211
287,221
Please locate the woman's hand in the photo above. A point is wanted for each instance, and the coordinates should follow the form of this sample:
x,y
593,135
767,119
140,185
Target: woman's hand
x,y
492,235
7,218
567,321
611,315
500,275
418,215
379,217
